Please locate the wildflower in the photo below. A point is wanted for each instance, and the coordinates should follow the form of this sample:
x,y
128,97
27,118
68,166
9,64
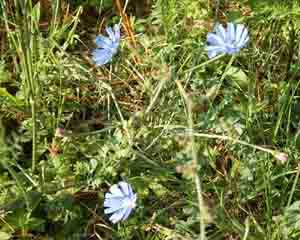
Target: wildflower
x,y
281,157
107,47
120,201
60,132
230,40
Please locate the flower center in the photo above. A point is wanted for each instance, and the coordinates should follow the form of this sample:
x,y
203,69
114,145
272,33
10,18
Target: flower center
x,y
231,48
128,203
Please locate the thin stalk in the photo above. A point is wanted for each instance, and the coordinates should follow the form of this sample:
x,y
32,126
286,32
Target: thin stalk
x,y
247,228
206,63
215,136
294,187
268,200
217,8
157,93
34,134
223,77
195,160
234,140
128,29
26,42
23,45
221,137
130,140
109,98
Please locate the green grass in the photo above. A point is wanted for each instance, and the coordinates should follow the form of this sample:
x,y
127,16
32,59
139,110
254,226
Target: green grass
x,y
199,140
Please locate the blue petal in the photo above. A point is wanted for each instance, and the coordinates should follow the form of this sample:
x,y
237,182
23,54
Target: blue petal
x,y
133,197
114,48
131,192
243,43
246,41
111,210
119,202
228,41
118,215
239,32
126,214
244,38
215,50
124,187
214,39
107,46
110,33
116,191
117,32
103,42
212,54
113,202
109,195
230,32
101,56
220,31
231,49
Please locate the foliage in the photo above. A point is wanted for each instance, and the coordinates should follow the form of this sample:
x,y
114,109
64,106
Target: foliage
x,y
130,120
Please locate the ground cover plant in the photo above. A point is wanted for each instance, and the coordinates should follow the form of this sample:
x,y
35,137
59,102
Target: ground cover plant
x,y
149,120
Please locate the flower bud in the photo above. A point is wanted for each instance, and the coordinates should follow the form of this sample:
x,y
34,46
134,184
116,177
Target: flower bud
x,y
281,157
60,132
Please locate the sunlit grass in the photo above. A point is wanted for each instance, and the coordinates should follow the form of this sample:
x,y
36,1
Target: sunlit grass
x,y
210,146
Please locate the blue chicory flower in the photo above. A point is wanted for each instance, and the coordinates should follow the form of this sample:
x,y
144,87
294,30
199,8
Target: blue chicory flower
x,y
119,201
230,40
107,47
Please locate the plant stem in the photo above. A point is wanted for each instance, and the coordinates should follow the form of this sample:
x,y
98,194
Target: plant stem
x,y
217,8
294,187
215,136
221,137
223,77
195,161
227,138
206,63
157,93
34,133
26,43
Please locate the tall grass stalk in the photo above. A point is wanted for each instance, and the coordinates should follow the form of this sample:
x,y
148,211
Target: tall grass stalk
x,y
221,137
294,187
26,40
223,77
206,63
195,160
22,40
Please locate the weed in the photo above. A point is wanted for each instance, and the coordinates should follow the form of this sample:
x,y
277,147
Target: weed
x,y
209,145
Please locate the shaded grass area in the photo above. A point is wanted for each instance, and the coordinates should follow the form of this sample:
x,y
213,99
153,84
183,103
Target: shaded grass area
x,y
131,120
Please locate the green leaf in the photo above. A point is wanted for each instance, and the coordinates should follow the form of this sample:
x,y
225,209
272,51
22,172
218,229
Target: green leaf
x,y
9,98
4,236
292,216
238,76
36,12
4,75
